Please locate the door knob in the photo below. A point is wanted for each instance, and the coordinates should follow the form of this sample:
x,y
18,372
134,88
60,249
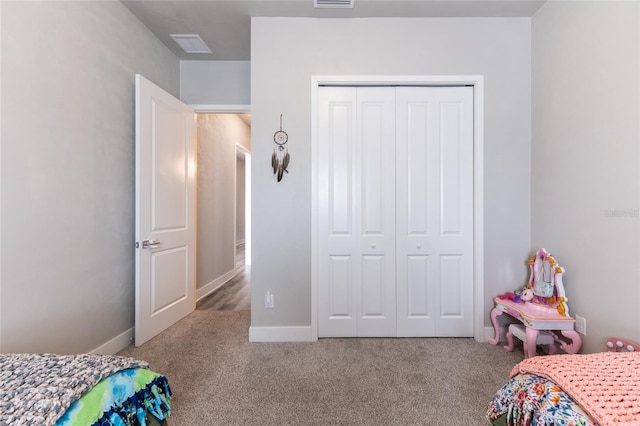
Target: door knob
x,y
373,245
150,244
419,245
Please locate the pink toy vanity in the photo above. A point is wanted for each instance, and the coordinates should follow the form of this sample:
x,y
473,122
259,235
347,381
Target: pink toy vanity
x,y
544,311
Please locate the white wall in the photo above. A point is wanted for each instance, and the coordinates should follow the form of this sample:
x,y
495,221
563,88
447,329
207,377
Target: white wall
x,y
215,82
286,52
585,157
217,138
68,170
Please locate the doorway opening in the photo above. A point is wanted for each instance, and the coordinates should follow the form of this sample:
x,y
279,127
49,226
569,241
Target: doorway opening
x,y
224,211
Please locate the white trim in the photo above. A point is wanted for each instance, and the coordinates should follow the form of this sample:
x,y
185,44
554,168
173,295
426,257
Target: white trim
x,y
477,81
209,288
116,344
281,334
247,210
315,84
221,109
0,191
478,206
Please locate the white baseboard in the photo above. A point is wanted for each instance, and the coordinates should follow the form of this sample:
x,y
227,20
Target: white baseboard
x,y
281,334
209,288
116,344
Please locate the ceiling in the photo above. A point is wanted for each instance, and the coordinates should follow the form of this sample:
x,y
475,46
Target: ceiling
x,y
225,25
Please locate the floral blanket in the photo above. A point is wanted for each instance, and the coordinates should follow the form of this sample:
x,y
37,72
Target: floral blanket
x,y
570,390
36,389
605,384
530,400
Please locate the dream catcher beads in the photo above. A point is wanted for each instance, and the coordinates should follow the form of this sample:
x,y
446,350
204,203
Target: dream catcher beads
x,y
280,157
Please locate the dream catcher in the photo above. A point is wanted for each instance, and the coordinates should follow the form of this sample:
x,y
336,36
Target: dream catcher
x,y
280,157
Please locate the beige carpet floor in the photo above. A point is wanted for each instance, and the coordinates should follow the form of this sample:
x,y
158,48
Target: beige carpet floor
x,y
219,378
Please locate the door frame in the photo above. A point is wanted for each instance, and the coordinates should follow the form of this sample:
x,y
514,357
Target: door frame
x,y
227,109
477,82
240,150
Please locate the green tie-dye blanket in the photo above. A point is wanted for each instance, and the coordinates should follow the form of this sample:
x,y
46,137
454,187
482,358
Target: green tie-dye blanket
x,y
37,389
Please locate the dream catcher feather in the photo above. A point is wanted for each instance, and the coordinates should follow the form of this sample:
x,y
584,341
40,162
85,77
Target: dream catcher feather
x,y
280,157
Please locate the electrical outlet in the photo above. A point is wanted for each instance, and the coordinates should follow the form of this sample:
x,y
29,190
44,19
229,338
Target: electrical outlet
x,y
268,300
581,325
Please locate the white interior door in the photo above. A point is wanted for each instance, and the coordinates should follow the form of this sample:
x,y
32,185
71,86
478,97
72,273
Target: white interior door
x,y
434,200
165,210
357,224
395,219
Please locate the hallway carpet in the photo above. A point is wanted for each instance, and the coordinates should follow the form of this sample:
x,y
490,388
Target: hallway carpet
x,y
219,378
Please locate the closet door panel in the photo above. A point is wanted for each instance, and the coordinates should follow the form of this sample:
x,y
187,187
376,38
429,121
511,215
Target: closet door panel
x,y
456,213
415,123
356,220
434,148
372,286
418,292
340,287
452,167
376,185
416,196
451,287
339,247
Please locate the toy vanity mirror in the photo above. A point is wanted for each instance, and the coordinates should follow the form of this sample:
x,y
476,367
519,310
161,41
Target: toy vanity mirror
x,y
543,285
545,282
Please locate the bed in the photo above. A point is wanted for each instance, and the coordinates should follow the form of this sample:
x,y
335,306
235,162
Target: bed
x,y
64,390
587,390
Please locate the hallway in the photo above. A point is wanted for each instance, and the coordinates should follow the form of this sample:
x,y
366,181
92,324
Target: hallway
x,y
235,295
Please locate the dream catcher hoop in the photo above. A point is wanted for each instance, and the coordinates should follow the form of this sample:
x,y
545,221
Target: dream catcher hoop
x,y
280,157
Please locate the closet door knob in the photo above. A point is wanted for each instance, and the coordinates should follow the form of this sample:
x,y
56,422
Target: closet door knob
x,y
419,245
373,245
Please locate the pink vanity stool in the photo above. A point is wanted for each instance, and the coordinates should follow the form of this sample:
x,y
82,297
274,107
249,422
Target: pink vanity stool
x,y
544,311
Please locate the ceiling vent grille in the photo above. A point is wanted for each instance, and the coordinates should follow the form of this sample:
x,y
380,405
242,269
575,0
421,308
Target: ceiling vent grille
x,y
191,43
333,4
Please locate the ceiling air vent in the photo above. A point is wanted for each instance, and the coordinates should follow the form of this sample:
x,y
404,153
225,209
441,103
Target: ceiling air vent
x,y
333,4
191,43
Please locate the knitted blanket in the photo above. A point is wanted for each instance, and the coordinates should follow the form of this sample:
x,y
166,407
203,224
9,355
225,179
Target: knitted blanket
x,y
36,389
606,385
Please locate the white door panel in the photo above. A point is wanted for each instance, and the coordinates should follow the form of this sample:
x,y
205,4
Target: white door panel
x,y
375,186
165,210
355,221
434,148
395,222
168,268
339,250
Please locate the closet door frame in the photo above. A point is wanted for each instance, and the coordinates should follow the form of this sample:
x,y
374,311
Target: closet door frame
x,y
477,82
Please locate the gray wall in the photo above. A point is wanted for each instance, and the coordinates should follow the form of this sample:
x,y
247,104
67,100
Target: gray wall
x,y
68,170
585,180
218,135
286,52
215,82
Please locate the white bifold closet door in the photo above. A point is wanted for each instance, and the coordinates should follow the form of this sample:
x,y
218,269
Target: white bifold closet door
x,y
395,177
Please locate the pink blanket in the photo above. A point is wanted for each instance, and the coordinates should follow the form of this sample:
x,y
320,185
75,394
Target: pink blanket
x,y
606,385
